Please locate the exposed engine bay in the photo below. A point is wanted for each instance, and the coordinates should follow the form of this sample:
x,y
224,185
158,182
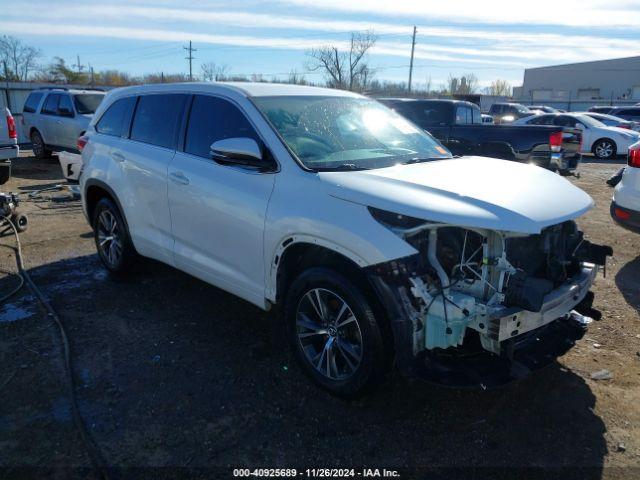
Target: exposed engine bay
x,y
474,286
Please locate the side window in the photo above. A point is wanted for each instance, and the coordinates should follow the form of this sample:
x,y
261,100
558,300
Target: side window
x,y
541,120
115,121
565,121
157,119
50,106
463,115
65,108
213,119
32,101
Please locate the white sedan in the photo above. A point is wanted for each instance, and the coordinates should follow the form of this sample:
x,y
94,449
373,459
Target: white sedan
x,y
602,141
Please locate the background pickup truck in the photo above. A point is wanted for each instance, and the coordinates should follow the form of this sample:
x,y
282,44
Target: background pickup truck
x,y
8,145
458,126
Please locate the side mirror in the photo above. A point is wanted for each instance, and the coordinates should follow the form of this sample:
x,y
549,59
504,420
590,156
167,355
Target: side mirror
x,y
237,151
579,126
65,112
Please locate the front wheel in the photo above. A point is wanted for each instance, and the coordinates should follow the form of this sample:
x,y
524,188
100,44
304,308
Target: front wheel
x,y
113,242
334,332
604,149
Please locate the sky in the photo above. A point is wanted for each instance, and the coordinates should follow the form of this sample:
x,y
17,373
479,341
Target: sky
x,y
490,38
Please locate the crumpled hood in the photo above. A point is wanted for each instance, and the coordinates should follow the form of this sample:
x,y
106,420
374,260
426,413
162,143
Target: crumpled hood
x,y
471,191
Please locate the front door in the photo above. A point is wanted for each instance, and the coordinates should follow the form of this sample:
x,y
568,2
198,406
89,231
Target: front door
x,y
218,211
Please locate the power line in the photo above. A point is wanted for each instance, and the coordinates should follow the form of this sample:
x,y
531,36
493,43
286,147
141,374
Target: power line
x,y
190,49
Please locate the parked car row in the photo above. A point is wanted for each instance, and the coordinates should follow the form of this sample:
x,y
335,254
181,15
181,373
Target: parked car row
x,y
597,138
375,242
458,125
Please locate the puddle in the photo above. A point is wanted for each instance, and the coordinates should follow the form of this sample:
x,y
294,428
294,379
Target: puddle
x,y
11,312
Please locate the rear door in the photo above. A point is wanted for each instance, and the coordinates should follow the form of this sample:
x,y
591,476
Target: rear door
x,y
48,124
144,159
66,125
218,211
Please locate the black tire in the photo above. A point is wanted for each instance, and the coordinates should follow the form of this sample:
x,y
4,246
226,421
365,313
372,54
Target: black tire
x,y
361,335
115,249
40,150
20,221
604,149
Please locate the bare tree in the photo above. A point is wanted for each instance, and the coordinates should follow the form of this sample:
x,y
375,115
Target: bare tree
x,y
296,78
462,86
345,69
19,58
499,87
214,72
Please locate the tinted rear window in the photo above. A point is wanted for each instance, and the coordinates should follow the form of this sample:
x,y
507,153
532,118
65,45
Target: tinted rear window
x,y
157,118
32,102
628,111
115,121
87,103
214,119
426,114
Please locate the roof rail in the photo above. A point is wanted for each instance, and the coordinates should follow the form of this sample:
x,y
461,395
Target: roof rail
x,y
97,89
52,88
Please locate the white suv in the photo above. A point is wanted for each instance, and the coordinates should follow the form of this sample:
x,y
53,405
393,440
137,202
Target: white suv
x,y
625,206
371,238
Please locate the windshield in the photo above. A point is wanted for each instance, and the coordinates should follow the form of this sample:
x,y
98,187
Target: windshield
x,y
347,133
87,102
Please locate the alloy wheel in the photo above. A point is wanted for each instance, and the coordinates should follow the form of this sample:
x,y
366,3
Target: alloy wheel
x,y
329,334
109,238
604,149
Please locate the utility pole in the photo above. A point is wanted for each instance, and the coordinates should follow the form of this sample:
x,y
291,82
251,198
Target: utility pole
x,y
190,49
78,65
92,76
413,47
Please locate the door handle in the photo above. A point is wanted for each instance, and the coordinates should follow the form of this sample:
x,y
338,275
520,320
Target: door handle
x,y
179,178
117,156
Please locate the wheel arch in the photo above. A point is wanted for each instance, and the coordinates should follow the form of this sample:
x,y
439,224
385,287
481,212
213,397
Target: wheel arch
x,y
298,256
96,190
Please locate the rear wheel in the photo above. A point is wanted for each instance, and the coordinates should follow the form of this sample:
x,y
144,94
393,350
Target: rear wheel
x,y
335,335
113,242
604,149
40,150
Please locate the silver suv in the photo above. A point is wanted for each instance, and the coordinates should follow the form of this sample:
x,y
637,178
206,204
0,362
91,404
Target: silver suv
x,y
55,118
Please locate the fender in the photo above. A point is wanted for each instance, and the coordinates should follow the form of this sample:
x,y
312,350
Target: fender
x,y
288,241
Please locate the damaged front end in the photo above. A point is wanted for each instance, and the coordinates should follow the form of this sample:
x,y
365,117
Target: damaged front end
x,y
478,307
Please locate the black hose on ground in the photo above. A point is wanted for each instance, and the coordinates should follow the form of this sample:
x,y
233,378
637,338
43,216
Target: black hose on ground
x,y
92,450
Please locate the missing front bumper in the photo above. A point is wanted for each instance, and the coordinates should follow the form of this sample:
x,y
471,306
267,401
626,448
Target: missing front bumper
x,y
508,323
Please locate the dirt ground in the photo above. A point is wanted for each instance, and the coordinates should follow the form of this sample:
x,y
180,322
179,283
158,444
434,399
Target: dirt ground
x,y
175,377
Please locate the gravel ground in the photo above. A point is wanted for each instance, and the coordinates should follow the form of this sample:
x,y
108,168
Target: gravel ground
x,y
175,377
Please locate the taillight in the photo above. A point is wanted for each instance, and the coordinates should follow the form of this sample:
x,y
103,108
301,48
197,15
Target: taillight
x,y
11,126
624,125
633,158
621,214
81,142
555,141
